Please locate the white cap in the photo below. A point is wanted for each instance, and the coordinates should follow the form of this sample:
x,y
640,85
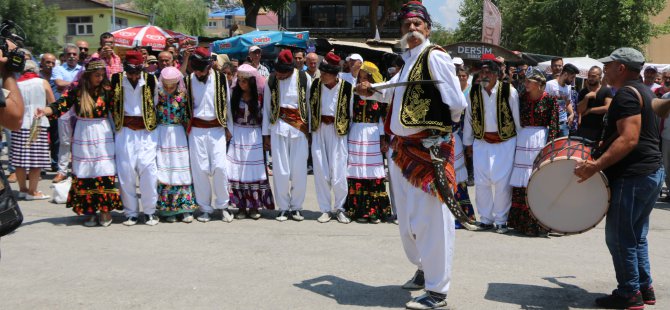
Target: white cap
x,y
355,57
254,48
458,61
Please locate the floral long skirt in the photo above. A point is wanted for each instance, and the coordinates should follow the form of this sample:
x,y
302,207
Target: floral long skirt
x,y
520,218
90,195
367,199
463,199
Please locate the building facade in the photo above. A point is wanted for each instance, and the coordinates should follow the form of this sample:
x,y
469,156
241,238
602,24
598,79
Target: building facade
x,y
87,19
336,19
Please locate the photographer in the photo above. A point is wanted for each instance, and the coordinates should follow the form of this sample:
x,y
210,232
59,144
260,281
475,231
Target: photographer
x,y
11,102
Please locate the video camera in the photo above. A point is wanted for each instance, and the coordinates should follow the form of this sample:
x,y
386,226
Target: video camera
x,y
15,58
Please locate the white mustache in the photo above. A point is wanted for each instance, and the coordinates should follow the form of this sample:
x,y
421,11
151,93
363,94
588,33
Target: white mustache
x,y
413,34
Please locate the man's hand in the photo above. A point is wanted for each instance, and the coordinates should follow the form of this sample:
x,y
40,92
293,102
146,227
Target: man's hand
x,y
266,143
384,145
585,170
591,95
468,150
3,58
228,135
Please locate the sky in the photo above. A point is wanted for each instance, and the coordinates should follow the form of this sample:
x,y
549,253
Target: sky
x,y
444,12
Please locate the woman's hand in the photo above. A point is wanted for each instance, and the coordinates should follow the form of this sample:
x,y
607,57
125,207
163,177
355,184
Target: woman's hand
x,y
46,111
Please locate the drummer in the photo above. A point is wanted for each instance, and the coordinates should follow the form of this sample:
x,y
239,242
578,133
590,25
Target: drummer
x,y
632,162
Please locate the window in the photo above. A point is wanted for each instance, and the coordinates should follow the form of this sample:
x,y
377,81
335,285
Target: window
x,y
120,23
211,24
324,15
80,25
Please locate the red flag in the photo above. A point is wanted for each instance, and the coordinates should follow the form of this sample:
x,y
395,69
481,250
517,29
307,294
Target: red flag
x,y
491,23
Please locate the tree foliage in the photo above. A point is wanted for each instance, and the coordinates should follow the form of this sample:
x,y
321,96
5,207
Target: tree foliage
x,y
37,21
186,16
568,27
442,36
252,7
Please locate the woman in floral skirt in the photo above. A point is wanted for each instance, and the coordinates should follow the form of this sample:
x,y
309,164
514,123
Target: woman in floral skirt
x,y
247,177
539,122
368,200
93,167
175,186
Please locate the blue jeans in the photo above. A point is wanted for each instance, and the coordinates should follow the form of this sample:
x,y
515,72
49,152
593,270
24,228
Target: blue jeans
x,y
563,130
626,229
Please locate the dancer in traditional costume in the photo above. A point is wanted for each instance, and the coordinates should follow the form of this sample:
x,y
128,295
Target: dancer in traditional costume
x,y
368,200
539,122
421,117
249,185
285,131
210,126
491,126
175,184
136,140
331,99
93,165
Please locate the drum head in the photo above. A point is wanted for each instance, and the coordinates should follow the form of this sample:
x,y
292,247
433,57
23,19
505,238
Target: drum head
x,y
561,204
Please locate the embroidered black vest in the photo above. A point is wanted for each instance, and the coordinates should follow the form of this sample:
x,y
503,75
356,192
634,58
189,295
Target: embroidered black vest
x,y
342,116
506,127
220,97
422,105
367,111
301,77
148,108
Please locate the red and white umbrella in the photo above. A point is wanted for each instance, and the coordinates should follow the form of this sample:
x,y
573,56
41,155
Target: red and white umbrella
x,y
145,36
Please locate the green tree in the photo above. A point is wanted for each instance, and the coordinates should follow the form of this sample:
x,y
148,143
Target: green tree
x,y
252,7
568,27
187,16
37,21
442,36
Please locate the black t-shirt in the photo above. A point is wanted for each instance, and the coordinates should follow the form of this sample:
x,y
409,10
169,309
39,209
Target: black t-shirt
x,y
645,158
594,121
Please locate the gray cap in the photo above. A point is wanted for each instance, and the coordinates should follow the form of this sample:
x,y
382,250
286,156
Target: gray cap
x,y
626,55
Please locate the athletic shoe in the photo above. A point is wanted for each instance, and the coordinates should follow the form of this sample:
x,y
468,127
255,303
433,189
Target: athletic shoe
x,y
483,226
417,281
227,216
429,300
648,296
105,219
296,216
324,218
501,229
254,214
615,301
241,215
342,217
130,221
362,220
91,222
187,217
170,219
282,216
374,220
151,219
204,217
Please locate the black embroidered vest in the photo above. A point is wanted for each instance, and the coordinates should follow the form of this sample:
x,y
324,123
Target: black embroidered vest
x,y
220,96
301,77
422,105
506,126
342,115
148,108
367,111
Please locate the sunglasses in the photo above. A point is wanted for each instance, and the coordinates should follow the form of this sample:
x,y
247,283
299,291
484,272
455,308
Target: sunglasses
x,y
83,49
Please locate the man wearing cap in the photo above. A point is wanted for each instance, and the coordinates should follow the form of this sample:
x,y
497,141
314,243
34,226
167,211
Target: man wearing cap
x,y
491,126
285,132
650,73
255,54
631,160
136,141
330,101
355,61
421,116
209,129
152,66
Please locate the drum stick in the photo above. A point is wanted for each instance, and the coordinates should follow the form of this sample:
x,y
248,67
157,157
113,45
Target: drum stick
x,y
661,107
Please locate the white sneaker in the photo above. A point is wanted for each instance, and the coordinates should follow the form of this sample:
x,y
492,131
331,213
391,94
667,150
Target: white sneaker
x,y
324,218
188,217
151,219
204,217
282,216
130,221
342,218
297,216
242,214
227,216
255,214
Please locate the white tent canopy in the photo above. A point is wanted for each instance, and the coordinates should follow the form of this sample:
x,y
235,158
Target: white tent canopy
x,y
584,64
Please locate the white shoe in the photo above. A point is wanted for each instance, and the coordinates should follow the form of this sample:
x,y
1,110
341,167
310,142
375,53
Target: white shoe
x,y
151,219
40,196
188,217
242,214
171,219
297,216
130,221
204,217
282,216
324,218
92,221
227,216
255,214
342,218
